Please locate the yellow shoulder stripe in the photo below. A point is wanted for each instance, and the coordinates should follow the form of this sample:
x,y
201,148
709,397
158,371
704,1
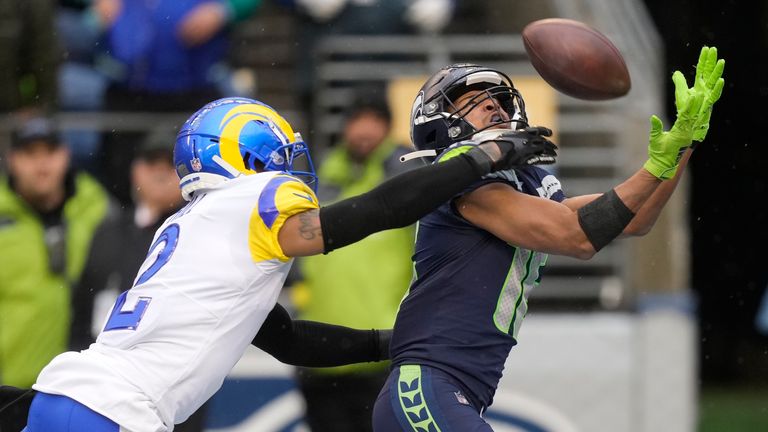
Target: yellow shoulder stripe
x,y
282,197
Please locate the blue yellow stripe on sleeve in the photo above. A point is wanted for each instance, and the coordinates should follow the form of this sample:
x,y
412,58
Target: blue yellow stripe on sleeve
x,y
282,197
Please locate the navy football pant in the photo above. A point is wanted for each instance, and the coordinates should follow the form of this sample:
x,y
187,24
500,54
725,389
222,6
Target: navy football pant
x,y
423,399
54,413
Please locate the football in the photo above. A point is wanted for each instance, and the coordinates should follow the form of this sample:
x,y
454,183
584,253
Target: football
x,y
576,59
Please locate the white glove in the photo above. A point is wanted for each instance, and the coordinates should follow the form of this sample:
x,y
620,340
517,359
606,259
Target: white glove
x,y
322,10
429,16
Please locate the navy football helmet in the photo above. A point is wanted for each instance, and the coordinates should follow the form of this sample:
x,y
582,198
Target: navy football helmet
x,y
436,122
237,136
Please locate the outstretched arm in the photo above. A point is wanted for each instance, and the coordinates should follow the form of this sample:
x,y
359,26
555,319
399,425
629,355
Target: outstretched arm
x,y
404,199
708,83
315,344
581,226
647,215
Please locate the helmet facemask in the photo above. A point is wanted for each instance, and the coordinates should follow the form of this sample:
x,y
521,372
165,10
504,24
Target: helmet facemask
x,y
508,103
437,121
294,159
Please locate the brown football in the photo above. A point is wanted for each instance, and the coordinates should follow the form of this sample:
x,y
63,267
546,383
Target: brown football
x,y
576,59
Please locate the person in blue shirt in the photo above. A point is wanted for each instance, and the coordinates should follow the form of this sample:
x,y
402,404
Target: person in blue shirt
x,y
478,256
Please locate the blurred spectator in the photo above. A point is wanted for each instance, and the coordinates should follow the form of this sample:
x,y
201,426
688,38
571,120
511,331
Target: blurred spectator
x,y
155,196
81,86
343,288
28,55
155,188
320,18
377,16
168,50
153,56
48,217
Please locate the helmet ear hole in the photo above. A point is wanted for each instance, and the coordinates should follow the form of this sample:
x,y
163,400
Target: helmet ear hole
x,y
251,162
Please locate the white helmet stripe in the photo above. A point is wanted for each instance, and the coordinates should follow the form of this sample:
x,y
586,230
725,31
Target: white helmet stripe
x,y
484,77
226,165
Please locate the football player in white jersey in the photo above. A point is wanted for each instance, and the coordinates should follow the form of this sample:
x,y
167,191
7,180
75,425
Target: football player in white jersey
x,y
214,270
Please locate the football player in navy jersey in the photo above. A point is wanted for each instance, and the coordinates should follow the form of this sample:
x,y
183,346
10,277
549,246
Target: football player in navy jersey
x,y
478,256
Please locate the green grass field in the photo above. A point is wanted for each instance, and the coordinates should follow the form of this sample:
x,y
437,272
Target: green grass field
x,y
733,409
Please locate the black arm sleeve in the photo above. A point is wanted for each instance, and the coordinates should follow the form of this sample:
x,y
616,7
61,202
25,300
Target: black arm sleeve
x,y
604,219
314,344
14,407
399,201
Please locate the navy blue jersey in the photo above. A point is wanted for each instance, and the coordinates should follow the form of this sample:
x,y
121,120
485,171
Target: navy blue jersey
x,y
469,296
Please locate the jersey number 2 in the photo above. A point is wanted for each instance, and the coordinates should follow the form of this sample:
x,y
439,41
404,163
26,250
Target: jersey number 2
x,y
129,319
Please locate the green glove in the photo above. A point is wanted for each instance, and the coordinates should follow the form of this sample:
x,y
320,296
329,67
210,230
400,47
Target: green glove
x,y
694,108
708,81
666,147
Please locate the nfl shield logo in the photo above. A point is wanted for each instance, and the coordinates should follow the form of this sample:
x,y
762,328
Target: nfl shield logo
x,y
196,164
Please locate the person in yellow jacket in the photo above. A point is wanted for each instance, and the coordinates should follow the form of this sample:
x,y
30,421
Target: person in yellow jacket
x,y
361,285
48,216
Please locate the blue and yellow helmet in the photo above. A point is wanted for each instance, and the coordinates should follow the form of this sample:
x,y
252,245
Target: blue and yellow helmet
x,y
237,136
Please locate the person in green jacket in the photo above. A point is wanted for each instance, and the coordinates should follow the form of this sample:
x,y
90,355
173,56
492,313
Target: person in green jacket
x,y
344,288
48,216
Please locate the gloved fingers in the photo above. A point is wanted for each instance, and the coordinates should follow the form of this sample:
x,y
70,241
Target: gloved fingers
x,y
529,140
551,146
538,130
690,112
711,60
702,59
656,127
706,63
541,160
546,156
544,143
681,89
716,74
716,92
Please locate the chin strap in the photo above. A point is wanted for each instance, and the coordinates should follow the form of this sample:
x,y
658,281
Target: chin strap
x,y
417,154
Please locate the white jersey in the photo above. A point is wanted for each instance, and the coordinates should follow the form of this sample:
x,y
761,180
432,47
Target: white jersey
x,y
213,273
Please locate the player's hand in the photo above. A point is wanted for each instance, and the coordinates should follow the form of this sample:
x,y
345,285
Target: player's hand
x,y
202,23
708,82
665,148
513,148
694,108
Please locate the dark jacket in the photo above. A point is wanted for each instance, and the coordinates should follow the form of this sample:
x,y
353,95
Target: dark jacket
x,y
29,54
